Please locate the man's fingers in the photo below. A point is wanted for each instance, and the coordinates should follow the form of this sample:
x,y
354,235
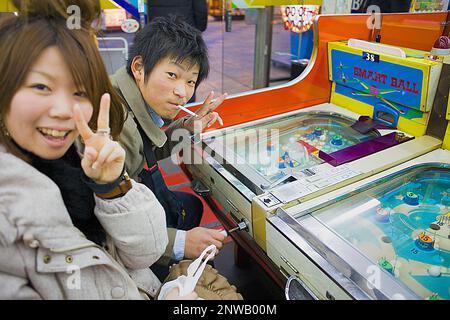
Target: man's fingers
x,y
81,124
218,235
103,114
217,102
217,243
215,117
208,108
220,120
203,111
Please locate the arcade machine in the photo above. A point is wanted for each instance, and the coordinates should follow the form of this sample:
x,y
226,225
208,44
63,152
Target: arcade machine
x,y
385,237
372,118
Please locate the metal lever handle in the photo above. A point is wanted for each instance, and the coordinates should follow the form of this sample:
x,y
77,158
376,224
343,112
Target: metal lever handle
x,y
242,225
279,181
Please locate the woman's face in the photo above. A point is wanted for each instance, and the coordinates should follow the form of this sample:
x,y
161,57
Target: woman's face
x,y
40,117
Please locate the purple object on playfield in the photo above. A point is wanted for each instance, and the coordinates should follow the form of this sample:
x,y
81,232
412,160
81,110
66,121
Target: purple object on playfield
x,y
364,148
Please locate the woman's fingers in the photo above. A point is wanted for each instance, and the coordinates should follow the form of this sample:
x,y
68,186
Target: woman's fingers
x,y
103,114
104,158
90,155
103,154
109,153
81,124
117,154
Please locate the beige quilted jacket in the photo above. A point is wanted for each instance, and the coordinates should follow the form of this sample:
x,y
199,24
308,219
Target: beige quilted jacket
x,y
43,256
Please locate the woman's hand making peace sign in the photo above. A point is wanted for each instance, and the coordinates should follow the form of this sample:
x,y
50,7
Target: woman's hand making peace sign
x,y
103,159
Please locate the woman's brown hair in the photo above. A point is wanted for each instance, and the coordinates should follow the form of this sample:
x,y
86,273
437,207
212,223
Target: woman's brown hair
x,y
89,9
23,40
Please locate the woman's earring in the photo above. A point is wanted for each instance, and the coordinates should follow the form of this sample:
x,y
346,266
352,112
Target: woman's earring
x,y
3,128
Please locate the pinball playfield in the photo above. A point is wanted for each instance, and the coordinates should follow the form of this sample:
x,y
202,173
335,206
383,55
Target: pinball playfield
x,y
403,226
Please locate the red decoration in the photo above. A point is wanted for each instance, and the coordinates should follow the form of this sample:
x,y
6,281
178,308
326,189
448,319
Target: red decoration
x,y
299,18
443,42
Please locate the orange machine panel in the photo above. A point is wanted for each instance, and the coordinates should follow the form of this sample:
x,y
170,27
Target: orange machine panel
x,y
415,30
411,30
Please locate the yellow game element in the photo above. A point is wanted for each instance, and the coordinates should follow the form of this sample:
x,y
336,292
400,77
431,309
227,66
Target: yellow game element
x,y
7,6
426,239
261,3
109,4
446,142
448,107
259,225
416,126
430,70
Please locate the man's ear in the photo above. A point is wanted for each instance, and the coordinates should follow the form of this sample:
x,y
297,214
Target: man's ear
x,y
137,67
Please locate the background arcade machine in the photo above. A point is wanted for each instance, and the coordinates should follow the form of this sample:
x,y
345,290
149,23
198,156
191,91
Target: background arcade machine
x,y
322,145
384,237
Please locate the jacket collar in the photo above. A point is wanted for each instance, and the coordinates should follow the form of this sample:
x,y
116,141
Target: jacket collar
x,y
127,87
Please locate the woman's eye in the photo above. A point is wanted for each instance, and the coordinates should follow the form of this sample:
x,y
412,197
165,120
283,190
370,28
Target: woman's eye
x,y
172,75
192,83
41,87
81,94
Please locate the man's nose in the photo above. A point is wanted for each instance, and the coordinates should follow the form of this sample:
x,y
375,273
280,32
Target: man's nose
x,y
180,90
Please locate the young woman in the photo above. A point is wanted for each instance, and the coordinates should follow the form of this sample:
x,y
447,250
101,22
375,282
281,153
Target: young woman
x,y
72,225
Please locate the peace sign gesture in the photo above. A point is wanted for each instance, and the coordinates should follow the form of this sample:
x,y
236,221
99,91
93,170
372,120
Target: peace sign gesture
x,y
206,113
103,159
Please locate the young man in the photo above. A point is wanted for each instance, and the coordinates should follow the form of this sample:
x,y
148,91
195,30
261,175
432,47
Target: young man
x,y
194,12
167,62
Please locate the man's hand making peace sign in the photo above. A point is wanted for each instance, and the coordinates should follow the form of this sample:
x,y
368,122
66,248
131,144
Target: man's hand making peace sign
x,y
103,159
206,114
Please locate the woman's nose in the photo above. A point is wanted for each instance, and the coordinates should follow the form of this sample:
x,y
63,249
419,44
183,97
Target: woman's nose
x,y
62,107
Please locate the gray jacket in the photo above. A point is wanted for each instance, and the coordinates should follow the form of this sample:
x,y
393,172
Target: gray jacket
x,y
43,256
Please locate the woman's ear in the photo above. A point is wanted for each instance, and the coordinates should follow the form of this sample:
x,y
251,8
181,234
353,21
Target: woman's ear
x,y
137,67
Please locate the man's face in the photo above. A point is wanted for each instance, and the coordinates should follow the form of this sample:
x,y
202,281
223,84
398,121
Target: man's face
x,y
169,84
